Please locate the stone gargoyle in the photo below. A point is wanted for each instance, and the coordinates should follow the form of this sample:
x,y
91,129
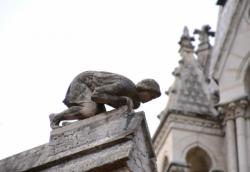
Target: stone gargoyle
x,y
91,90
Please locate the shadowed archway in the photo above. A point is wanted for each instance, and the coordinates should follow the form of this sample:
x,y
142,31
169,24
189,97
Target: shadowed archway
x,y
199,160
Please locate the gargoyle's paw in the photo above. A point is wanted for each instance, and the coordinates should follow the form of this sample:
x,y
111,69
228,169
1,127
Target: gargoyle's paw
x,y
53,122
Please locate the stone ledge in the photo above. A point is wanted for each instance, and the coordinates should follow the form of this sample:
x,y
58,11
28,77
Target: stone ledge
x,y
110,140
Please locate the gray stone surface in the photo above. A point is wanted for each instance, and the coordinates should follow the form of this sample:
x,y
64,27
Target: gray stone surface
x,y
115,141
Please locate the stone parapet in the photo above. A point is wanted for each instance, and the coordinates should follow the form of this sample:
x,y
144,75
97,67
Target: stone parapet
x,y
112,141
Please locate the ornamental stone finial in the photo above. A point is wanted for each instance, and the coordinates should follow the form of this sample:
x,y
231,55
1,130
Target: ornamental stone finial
x,y
185,31
186,40
204,48
204,34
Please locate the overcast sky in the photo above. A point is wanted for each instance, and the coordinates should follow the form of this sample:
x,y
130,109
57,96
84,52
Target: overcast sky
x,y
44,44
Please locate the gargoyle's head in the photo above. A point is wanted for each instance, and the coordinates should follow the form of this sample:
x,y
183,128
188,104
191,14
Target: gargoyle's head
x,y
148,89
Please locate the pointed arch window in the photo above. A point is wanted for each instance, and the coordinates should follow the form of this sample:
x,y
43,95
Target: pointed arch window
x,y
199,160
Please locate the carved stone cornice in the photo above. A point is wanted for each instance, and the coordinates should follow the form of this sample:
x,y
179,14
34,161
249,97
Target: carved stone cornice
x,y
233,110
229,111
178,167
185,123
193,121
241,108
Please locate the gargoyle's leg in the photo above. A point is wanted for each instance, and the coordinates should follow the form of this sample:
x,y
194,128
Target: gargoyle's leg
x,y
82,111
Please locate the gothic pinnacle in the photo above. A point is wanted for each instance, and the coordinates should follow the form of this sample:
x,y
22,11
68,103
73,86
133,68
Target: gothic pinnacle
x,y
204,34
186,40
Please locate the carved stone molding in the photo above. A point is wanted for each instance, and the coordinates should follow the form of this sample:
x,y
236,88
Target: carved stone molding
x,y
241,108
183,122
230,111
193,121
178,167
233,110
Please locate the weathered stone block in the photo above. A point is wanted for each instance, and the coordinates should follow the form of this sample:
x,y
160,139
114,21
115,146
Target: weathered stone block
x,y
115,141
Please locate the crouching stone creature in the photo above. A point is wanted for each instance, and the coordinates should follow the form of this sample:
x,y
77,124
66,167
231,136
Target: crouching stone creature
x,y
91,90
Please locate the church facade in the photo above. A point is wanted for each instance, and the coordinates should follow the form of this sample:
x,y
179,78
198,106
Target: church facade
x,y
205,126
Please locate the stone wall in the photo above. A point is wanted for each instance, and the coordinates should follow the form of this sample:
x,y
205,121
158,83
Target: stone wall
x,y
115,141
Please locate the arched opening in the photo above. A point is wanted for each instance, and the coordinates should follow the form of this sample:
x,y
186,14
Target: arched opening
x,y
165,164
247,81
198,160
